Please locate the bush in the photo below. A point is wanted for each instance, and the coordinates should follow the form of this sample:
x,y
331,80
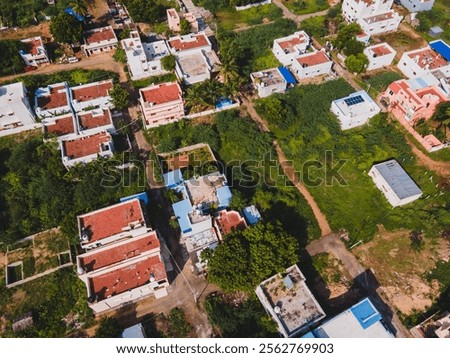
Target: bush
x,y
10,60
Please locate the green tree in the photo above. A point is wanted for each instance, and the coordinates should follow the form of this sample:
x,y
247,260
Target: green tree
x,y
108,328
247,257
228,68
168,63
145,11
65,28
442,115
179,327
345,34
120,55
80,6
273,109
353,47
10,60
120,97
356,63
185,27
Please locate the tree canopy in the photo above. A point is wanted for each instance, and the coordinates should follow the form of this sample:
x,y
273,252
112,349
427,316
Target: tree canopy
x,y
10,60
145,11
356,63
247,257
65,28
120,97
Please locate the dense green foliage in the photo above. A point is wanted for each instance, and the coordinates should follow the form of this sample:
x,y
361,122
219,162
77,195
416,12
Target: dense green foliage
x,y
251,48
50,298
247,257
66,28
179,327
245,319
120,97
27,12
308,130
301,7
315,26
249,162
37,192
206,94
168,63
120,55
381,80
439,15
145,11
108,328
356,63
10,60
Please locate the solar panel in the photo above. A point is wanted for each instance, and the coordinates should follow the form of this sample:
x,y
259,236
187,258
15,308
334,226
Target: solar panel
x,y
354,100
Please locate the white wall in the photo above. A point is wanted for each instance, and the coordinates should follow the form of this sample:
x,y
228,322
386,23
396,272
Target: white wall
x,y
379,61
417,5
311,71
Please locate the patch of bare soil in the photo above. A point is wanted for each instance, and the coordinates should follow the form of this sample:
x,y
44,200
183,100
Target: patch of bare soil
x,y
43,29
401,270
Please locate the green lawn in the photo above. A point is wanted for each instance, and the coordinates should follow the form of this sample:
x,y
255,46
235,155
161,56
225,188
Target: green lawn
x,y
230,19
378,82
306,129
302,7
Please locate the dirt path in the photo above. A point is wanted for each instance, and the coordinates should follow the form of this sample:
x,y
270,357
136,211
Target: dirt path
x,y
297,18
289,171
99,62
333,245
441,168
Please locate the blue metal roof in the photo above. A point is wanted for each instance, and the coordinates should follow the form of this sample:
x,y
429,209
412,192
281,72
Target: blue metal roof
x,y
70,11
442,48
251,214
173,178
365,313
141,196
182,209
287,75
308,335
224,195
136,331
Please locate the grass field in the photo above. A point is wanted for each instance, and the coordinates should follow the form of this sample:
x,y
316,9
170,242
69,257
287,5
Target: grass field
x,y
230,19
302,7
378,82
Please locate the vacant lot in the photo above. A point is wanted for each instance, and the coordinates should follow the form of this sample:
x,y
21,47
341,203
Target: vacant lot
x,y
403,40
230,19
301,7
401,270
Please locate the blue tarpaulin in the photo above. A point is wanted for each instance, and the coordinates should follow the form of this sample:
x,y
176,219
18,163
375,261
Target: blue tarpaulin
x,y
70,11
141,196
287,75
441,48
223,102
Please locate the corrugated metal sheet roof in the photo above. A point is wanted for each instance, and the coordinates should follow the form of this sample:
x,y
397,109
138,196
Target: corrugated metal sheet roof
x,y
442,48
398,179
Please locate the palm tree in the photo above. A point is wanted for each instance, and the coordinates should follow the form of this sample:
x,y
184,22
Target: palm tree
x,y
195,97
228,68
442,115
80,6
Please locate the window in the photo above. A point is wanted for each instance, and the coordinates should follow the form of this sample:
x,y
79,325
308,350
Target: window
x,y
391,92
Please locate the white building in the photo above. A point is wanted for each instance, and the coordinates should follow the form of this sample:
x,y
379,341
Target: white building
x,y
92,95
360,321
355,109
174,20
430,59
16,114
418,5
37,54
195,59
99,40
123,261
374,16
268,82
161,104
312,64
52,101
286,49
395,183
290,303
144,59
85,149
380,55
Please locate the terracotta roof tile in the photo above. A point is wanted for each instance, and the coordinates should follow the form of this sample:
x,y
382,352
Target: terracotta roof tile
x,y
91,119
179,45
163,93
380,50
56,99
127,278
427,57
129,248
229,221
99,35
92,91
61,126
110,221
313,59
34,43
84,146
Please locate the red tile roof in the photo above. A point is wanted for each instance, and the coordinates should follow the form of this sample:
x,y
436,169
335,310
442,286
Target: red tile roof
x,y
34,43
89,121
428,57
313,59
110,221
381,50
91,91
289,44
112,254
99,35
127,278
84,146
56,99
229,221
61,126
163,93
199,41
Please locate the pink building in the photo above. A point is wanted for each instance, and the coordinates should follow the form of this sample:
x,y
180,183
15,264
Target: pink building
x,y
161,104
414,99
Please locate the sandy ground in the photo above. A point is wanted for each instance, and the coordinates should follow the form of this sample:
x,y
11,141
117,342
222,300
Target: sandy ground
x,y
400,270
